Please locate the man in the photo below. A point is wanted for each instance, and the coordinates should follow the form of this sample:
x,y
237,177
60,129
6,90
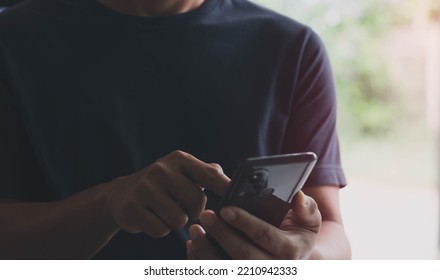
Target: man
x,y
113,111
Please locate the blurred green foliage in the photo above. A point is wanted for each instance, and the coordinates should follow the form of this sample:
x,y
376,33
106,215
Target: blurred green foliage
x,y
354,32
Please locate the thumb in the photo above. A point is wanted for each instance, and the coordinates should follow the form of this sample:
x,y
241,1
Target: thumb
x,y
304,213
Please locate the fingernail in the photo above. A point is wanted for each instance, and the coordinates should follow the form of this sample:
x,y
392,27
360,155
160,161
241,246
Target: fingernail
x,y
207,220
302,198
227,214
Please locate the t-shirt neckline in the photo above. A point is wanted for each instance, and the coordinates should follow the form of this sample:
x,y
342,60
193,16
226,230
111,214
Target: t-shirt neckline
x,y
164,21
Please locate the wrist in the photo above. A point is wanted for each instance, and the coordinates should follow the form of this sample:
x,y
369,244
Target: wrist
x,y
102,201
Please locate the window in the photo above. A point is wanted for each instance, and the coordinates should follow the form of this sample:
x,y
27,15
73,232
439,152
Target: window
x,y
386,59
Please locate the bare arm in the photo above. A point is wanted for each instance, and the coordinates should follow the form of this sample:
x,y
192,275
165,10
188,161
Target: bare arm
x,y
75,228
160,198
332,242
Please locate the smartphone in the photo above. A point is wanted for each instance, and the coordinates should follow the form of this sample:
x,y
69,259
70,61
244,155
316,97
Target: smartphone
x,y
265,186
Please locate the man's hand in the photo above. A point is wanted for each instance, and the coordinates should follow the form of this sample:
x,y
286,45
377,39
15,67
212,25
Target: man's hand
x,y
244,236
165,195
155,200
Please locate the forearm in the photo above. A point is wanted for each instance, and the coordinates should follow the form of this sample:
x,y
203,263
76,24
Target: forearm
x,y
74,228
332,243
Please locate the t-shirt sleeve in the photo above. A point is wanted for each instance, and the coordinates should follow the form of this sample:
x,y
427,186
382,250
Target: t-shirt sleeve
x,y
19,172
312,123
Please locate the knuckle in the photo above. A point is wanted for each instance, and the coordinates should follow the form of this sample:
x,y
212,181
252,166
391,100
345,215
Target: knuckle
x,y
178,154
217,166
213,172
158,169
314,217
313,206
264,236
157,177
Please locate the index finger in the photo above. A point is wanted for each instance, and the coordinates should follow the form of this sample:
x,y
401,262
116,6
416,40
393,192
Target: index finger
x,y
206,175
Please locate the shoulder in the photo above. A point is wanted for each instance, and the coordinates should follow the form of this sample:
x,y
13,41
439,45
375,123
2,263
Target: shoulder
x,y
267,23
251,13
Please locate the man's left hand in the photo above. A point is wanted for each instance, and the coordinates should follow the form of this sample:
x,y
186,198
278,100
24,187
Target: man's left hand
x,y
244,236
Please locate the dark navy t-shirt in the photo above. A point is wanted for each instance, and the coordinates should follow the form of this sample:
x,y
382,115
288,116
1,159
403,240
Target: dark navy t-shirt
x,y
88,95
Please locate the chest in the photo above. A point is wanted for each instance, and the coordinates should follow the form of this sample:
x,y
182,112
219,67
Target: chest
x,y
123,100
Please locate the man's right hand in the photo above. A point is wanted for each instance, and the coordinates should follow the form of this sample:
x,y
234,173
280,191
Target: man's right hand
x,y
164,195
160,198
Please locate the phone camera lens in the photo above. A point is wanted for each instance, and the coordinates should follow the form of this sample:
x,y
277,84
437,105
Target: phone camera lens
x,y
256,177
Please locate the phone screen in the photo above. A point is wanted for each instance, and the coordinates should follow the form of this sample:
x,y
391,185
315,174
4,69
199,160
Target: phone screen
x,y
265,186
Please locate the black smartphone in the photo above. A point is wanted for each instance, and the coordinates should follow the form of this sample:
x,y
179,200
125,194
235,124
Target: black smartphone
x,y
265,186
